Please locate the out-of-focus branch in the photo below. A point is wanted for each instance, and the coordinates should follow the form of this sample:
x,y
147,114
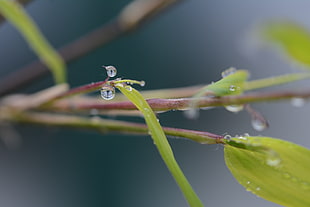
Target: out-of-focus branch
x,y
130,18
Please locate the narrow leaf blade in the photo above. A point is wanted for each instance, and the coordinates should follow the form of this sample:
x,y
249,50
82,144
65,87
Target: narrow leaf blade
x,y
161,143
12,11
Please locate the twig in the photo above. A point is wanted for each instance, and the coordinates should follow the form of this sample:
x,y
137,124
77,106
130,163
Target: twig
x,y
177,104
131,17
107,125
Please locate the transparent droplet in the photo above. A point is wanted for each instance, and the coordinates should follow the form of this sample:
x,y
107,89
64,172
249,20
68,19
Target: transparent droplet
x,y
248,182
257,188
107,92
298,102
242,138
227,137
128,88
234,108
111,71
228,72
142,83
258,124
232,88
273,161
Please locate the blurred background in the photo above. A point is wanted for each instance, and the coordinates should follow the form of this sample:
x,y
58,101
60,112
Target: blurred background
x,y
189,44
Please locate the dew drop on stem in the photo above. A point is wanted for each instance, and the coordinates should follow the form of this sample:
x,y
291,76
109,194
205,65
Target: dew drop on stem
x,y
258,124
234,108
142,83
298,102
111,71
227,137
107,92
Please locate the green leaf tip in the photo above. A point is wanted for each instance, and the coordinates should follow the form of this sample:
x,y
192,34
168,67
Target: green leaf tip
x,y
273,169
161,142
15,13
232,84
293,38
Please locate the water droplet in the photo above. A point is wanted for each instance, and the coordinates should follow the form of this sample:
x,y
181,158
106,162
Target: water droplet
x,y
142,83
234,108
273,161
228,72
248,182
298,102
227,137
107,92
257,189
232,88
111,71
258,124
128,88
246,134
242,138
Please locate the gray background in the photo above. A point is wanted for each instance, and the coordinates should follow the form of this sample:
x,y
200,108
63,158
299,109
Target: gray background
x,y
190,44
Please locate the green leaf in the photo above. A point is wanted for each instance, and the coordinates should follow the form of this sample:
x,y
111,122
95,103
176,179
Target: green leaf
x,y
161,142
293,38
12,11
273,169
232,84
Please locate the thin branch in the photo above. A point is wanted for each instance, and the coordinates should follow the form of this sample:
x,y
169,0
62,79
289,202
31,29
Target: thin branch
x,y
177,104
107,125
131,17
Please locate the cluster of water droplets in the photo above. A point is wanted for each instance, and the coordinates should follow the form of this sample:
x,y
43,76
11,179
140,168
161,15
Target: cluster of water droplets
x,y
107,91
252,187
232,88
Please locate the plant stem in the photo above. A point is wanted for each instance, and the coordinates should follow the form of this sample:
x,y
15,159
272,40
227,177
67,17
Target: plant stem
x,y
176,104
107,125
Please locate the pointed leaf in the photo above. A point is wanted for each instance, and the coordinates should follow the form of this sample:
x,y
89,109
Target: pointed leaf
x,y
230,85
14,13
293,38
161,142
273,169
